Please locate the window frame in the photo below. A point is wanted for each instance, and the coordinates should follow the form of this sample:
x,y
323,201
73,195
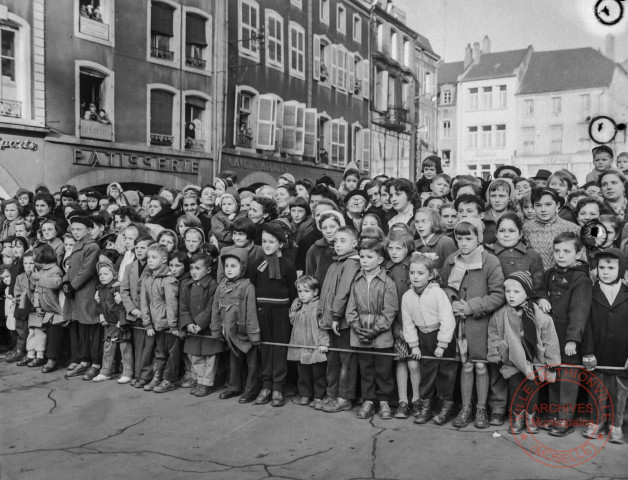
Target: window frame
x,y
394,44
500,135
272,15
472,137
341,18
208,53
341,122
318,41
502,99
407,52
528,108
528,146
109,13
446,129
585,101
474,98
324,8
558,128
242,51
446,97
487,98
109,96
557,106
252,115
176,114
487,136
175,41
207,118
292,71
356,27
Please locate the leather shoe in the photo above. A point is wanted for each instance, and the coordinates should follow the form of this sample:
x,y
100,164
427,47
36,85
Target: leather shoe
x,y
279,400
164,386
77,371
366,410
227,394
24,361
188,383
247,398
337,405
203,390
51,366
305,401
91,373
37,362
263,397
141,383
496,419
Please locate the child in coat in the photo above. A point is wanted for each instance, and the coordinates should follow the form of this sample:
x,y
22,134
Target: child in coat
x,y
234,318
475,282
243,233
342,367
195,311
159,304
432,241
274,280
605,340
130,291
520,335
312,366
567,296
36,341
116,330
371,311
222,221
428,326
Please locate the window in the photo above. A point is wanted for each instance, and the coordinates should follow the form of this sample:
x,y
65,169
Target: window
x,y
446,98
93,20
528,108
584,141
528,134
428,82
556,105
322,60
407,52
358,76
447,129
248,19
293,128
15,70
339,71
357,28
7,63
297,51
487,98
366,79
500,135
197,117
274,40
380,37
163,37
163,116
585,102
338,143
394,47
487,132
197,35
361,147
341,19
556,139
324,11
269,111
406,95
245,117
473,137
310,134
381,89
296,3
95,103
324,138
502,96
473,99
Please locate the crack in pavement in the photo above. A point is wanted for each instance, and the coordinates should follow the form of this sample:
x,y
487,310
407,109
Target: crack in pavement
x,y
374,447
54,402
28,387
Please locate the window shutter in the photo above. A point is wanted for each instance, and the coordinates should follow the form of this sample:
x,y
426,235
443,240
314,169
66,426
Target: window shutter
x,y
265,138
342,143
300,129
358,76
351,73
356,145
195,30
288,140
161,112
366,155
366,83
278,126
161,19
334,142
310,134
342,68
334,65
317,58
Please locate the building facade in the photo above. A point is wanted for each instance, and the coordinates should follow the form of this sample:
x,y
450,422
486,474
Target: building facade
x,y
448,74
299,89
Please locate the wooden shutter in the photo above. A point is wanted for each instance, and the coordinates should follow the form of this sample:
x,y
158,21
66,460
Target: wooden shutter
x,y
299,129
265,138
350,73
359,75
278,125
366,83
310,133
288,140
161,112
334,65
334,142
316,68
366,155
342,143
342,68
356,145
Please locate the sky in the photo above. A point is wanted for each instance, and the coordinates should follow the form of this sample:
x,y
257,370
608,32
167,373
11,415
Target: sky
x,y
512,24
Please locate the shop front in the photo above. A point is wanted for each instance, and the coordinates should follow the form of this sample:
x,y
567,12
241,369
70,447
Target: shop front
x,y
22,157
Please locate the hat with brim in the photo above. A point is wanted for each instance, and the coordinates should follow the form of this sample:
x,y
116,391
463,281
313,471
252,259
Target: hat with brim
x,y
542,175
498,170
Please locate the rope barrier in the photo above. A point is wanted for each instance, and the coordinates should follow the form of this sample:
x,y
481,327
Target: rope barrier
x,y
386,354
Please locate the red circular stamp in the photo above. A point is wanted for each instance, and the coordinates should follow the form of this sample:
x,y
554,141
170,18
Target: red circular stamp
x,y
556,414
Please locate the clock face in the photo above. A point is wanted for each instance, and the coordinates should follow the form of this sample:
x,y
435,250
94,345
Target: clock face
x,y
602,130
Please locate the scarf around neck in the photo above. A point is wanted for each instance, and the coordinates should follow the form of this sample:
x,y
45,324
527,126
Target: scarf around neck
x,y
473,261
529,338
272,263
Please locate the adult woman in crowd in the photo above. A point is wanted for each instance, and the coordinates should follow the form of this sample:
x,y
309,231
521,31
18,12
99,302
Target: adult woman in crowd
x,y
263,209
403,197
44,206
190,204
612,184
283,194
11,212
160,213
587,209
208,200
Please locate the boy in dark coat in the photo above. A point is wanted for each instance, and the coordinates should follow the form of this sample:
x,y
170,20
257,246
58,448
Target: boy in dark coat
x,y
234,318
567,296
79,287
243,233
605,340
195,309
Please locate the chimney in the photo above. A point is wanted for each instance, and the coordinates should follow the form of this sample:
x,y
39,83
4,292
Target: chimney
x,y
476,53
609,51
486,45
468,59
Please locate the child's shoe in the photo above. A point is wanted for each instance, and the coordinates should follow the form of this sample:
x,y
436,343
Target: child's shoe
x,y
164,386
366,410
247,398
516,423
150,386
25,361
72,366
532,424
133,382
464,417
15,356
141,383
279,400
203,390
263,397
91,373
592,430
77,371
617,435
123,380
445,414
561,429
481,418
425,414
403,410
497,419
51,366
384,411
304,401
187,382
337,405
416,408
101,378
36,362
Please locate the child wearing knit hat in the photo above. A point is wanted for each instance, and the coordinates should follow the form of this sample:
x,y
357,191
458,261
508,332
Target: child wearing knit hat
x,y
223,220
520,334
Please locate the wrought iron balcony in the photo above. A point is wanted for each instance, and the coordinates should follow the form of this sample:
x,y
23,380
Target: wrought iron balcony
x,y
161,140
163,54
193,144
244,140
394,118
195,62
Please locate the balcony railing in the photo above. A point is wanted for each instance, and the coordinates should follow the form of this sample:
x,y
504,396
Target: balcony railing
x,y
195,62
244,140
193,144
395,118
163,54
161,140
96,130
10,108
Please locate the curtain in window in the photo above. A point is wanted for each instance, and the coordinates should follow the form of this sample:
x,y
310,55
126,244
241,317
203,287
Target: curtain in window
x,y
162,19
195,30
161,112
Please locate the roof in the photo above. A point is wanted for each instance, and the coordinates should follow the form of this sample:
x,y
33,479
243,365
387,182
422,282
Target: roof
x,y
425,44
448,72
496,65
572,69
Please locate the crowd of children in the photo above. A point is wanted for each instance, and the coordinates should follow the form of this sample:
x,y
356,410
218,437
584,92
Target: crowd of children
x,y
487,286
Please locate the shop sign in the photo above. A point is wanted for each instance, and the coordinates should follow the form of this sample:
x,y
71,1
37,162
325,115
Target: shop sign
x,y
257,165
17,144
113,159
